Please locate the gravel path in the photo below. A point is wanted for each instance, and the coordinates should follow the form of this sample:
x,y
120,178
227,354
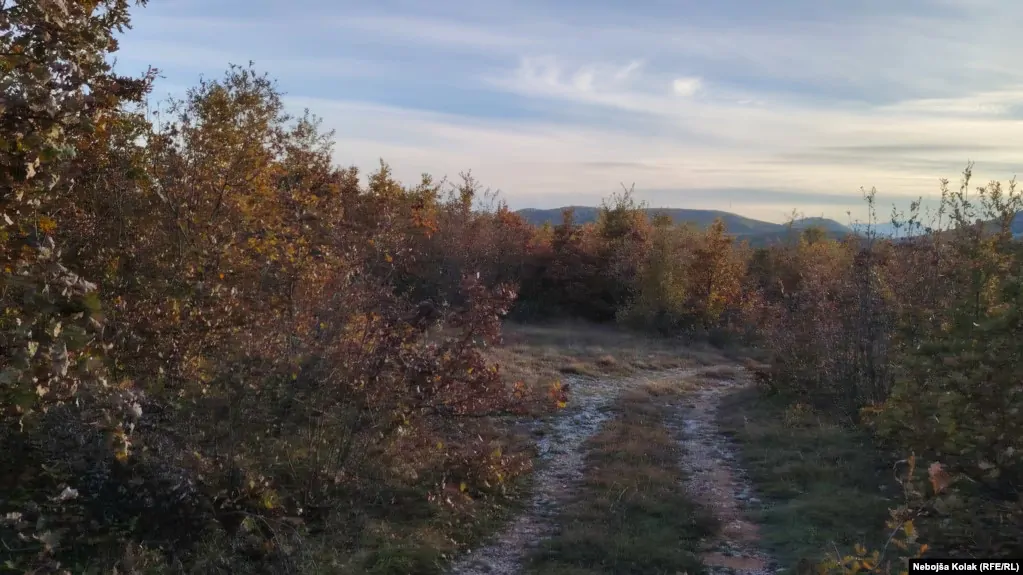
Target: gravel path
x,y
715,480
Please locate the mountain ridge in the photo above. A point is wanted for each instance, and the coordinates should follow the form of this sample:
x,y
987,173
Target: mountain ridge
x,y
736,224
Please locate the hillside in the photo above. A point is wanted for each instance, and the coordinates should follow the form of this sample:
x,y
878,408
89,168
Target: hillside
x,y
757,231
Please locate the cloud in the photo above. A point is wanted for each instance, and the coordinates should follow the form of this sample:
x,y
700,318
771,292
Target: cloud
x,y
758,107
685,86
627,70
534,162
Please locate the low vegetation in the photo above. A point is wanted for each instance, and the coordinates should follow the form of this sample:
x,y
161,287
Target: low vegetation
x,y
807,467
220,352
631,514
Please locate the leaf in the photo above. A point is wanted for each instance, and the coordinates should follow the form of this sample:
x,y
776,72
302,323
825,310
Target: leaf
x,y
49,539
61,361
68,494
939,478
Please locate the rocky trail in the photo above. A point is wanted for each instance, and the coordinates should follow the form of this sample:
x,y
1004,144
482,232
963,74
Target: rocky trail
x,y
715,479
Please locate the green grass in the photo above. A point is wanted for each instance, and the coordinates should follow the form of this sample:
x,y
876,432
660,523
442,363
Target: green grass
x,y
824,484
630,515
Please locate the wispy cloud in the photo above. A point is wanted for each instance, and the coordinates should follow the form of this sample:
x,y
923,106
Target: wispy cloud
x,y
805,102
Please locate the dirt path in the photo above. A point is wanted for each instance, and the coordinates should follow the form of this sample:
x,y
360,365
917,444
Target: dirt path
x,y
715,479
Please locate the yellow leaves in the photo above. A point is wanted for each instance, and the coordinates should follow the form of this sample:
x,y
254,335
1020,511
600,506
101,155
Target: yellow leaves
x,y
388,258
46,224
910,530
269,499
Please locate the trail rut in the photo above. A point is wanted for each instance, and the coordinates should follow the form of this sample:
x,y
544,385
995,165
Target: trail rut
x,y
715,480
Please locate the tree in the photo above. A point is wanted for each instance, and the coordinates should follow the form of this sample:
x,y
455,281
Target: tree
x,y
56,87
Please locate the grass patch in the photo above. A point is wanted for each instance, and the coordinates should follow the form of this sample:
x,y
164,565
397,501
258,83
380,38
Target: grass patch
x,y
824,483
631,514
539,352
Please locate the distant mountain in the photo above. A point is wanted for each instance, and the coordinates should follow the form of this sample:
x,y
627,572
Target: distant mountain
x,y
882,229
736,224
887,229
828,225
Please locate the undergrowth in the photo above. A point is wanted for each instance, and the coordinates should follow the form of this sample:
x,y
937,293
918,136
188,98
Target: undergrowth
x,y
808,468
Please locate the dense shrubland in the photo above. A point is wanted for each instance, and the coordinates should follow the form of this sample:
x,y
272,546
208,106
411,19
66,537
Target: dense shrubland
x,y
217,346
214,340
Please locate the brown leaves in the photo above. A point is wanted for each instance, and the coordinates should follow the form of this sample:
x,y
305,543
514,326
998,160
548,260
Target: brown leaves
x,y
940,478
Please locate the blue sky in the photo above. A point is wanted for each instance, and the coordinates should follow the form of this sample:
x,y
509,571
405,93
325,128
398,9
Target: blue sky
x,y
757,107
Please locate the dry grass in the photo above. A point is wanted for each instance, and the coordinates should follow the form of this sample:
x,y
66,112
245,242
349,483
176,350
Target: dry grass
x,y
541,353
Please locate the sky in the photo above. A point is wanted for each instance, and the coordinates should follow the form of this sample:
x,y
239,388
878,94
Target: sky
x,y
750,106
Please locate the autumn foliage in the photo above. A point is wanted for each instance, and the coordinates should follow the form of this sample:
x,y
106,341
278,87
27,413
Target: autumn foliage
x,y
222,352
262,339
917,338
